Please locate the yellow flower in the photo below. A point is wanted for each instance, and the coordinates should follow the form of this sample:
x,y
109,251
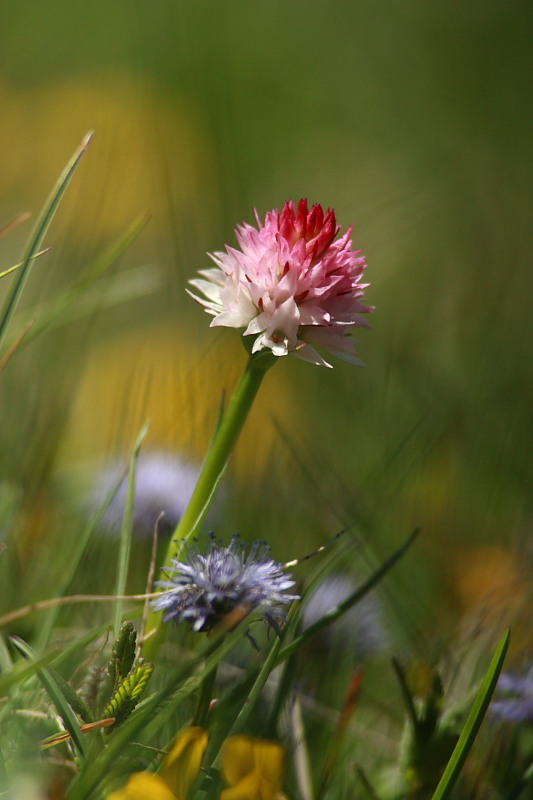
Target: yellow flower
x,y
254,768
179,771
158,372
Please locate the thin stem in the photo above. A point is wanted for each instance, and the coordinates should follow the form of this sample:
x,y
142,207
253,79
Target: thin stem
x,y
213,468
204,698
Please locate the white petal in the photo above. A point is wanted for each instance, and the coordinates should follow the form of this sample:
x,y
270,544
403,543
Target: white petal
x,y
211,308
308,353
211,291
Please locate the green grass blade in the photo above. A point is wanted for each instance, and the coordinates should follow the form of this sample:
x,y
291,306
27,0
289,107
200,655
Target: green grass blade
x,y
475,718
126,532
252,698
76,303
82,542
15,673
350,601
365,783
113,252
86,293
154,713
406,694
15,267
43,223
23,670
3,771
57,696
6,662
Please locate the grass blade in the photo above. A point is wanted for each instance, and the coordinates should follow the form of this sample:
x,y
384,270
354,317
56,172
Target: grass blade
x,y
154,714
58,698
475,718
86,293
23,670
15,267
43,223
126,532
47,626
350,601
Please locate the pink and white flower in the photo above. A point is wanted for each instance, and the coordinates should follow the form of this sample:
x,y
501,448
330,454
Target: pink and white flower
x,y
292,284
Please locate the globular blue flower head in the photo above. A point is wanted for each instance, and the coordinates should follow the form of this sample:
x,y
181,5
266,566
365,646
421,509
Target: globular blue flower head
x,y
210,585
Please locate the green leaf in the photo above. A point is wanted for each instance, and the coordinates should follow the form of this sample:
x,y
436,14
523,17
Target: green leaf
x,y
87,294
75,701
15,267
56,694
41,227
128,693
123,654
82,542
350,601
370,792
475,718
406,694
126,532
155,713
24,670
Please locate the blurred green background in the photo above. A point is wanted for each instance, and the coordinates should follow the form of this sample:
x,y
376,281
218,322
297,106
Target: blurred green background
x,y
414,121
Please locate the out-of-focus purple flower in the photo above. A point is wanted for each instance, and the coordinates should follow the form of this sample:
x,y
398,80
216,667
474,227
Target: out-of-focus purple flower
x,y
206,588
517,705
291,284
359,632
164,483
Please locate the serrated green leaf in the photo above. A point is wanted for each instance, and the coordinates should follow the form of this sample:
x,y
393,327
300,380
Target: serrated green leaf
x,y
154,714
123,652
128,693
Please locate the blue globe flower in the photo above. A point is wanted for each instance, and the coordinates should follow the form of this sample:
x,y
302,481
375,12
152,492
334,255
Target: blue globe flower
x,y
210,585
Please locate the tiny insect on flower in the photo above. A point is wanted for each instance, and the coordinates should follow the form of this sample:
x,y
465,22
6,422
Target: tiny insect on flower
x,y
211,585
292,284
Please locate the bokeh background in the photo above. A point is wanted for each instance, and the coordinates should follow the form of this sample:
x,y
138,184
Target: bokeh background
x,y
414,121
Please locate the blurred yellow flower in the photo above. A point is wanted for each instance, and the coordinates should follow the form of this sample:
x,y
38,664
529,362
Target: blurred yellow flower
x,y
254,768
178,772
149,152
157,372
143,785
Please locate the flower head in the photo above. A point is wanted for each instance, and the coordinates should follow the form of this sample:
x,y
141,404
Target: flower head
x,y
164,482
254,769
357,633
516,704
178,772
211,585
292,284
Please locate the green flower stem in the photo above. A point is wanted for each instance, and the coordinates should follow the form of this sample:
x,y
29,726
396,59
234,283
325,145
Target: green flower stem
x,y
213,468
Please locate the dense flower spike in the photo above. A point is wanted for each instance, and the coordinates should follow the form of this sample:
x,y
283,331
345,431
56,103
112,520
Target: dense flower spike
x,y
207,588
292,284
